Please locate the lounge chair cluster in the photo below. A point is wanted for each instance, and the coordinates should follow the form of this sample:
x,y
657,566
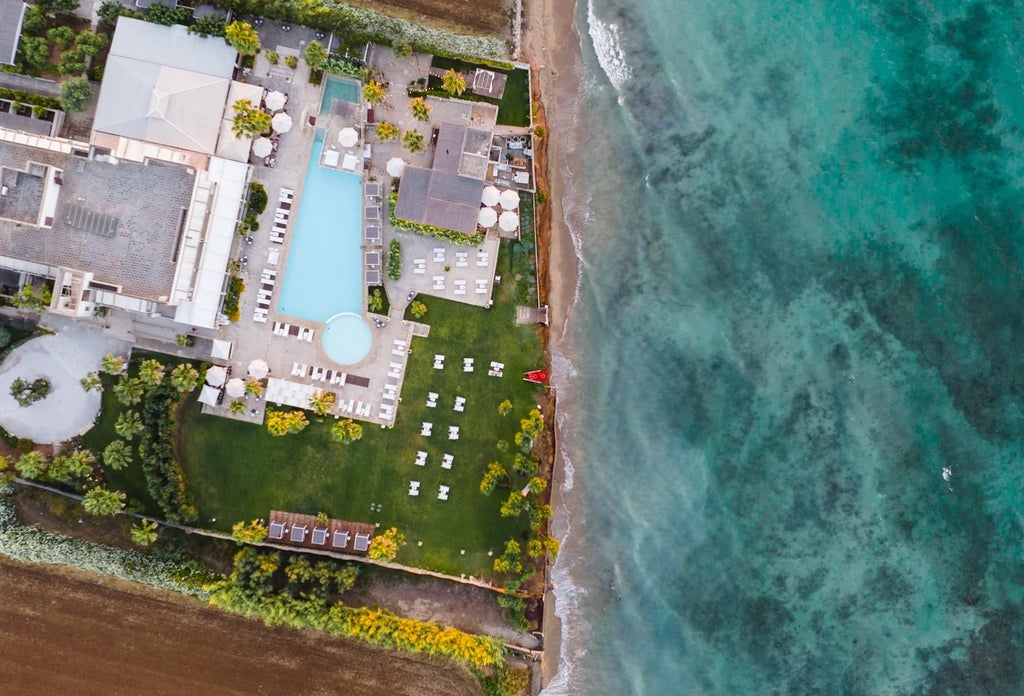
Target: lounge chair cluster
x,y
442,492
281,215
395,370
467,364
265,295
431,399
414,488
354,408
320,374
438,362
288,331
483,259
419,266
453,432
401,347
497,369
438,282
460,287
460,404
421,458
426,428
481,286
447,460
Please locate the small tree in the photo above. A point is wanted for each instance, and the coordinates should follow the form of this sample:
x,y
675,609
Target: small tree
x,y
494,475
185,378
128,391
248,532
144,533
102,502
412,141
281,423
417,309
453,83
537,485
75,93
243,38
151,372
514,505
32,465
90,43
315,54
346,431
375,302
387,130
113,364
62,36
237,407
257,198
420,109
374,92
321,401
91,382
505,407
72,62
27,393
128,425
117,455
250,121
385,546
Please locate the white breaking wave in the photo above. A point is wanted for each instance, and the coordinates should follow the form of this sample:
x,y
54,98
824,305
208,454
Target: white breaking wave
x,y
610,56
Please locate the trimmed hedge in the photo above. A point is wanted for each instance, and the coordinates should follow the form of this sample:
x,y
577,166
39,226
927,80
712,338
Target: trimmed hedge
x,y
22,97
394,260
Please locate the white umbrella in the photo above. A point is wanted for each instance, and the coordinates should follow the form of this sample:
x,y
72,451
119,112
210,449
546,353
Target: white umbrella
x,y
348,136
235,388
209,395
490,196
275,100
509,199
261,147
395,166
216,375
220,349
282,123
487,217
259,369
508,221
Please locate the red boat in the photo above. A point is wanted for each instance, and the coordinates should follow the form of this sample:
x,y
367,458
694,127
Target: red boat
x,y
537,376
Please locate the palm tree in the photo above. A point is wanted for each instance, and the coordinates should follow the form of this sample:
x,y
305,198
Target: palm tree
x,y
453,83
128,391
151,372
413,141
102,502
144,533
374,92
277,423
249,120
113,364
315,54
387,130
185,378
254,387
91,381
117,455
297,421
236,407
346,431
420,109
128,425
243,38
505,407
321,402
79,462
32,465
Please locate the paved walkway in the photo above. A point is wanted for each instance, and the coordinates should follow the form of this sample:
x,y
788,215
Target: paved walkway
x,y
63,359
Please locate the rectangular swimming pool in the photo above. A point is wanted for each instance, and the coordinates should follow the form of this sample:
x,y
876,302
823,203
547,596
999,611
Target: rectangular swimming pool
x,y
323,275
336,88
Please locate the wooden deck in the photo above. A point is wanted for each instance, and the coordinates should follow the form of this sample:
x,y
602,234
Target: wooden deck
x,y
532,315
348,531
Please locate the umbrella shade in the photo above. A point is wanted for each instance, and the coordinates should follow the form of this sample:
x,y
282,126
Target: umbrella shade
x,y
487,217
220,349
275,100
282,123
509,199
259,369
395,167
508,221
490,196
235,388
209,395
261,147
216,375
348,136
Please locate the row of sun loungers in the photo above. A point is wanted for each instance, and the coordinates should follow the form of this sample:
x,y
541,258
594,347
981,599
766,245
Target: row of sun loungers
x,y
264,295
442,491
419,266
497,369
281,215
446,461
288,331
401,348
352,407
438,362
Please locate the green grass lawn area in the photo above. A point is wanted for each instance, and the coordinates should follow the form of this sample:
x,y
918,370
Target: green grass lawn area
x,y
238,471
514,108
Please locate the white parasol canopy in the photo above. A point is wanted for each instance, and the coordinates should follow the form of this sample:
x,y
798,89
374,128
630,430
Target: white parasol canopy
x,y
259,369
282,123
209,395
235,388
220,349
275,100
487,217
509,199
215,375
490,196
396,166
508,221
348,136
261,147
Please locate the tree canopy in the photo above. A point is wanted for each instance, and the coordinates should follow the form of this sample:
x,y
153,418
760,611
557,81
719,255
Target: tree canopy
x,y
453,83
243,38
250,121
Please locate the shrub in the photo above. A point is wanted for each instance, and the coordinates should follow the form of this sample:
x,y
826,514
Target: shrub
x,y
235,288
27,393
291,61
257,198
165,479
273,57
417,309
394,260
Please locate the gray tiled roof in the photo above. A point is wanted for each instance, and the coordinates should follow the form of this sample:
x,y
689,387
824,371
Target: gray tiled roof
x,y
443,200
11,14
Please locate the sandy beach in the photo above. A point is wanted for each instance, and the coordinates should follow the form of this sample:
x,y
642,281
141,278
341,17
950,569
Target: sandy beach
x,y
552,47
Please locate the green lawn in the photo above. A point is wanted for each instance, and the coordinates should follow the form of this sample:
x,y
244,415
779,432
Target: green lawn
x,y
238,471
514,108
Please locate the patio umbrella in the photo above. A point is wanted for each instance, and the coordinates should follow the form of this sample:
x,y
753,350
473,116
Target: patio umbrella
x,y
209,395
282,123
220,349
395,166
259,369
275,101
348,136
508,221
509,199
261,147
487,217
216,375
490,196
235,388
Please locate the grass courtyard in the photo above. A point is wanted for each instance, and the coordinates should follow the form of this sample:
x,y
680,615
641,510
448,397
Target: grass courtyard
x,y
238,471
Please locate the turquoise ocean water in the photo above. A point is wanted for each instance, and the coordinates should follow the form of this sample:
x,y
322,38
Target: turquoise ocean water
x,y
791,384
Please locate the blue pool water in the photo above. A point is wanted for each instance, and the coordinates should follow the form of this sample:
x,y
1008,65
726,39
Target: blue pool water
x,y
345,90
323,276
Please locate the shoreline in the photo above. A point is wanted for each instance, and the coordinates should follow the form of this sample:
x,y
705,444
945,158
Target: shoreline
x,y
556,63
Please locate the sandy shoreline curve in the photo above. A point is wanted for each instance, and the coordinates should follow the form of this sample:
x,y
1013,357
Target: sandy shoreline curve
x,y
552,47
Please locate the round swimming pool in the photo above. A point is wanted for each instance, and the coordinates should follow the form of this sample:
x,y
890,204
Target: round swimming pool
x,y
346,338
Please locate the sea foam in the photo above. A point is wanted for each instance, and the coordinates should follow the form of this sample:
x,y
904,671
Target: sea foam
x,y
608,48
